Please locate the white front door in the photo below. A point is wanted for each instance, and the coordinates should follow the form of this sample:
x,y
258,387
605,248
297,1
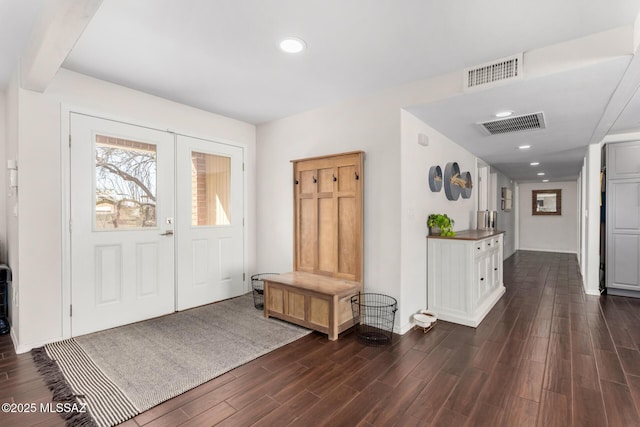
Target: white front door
x,y
122,209
209,231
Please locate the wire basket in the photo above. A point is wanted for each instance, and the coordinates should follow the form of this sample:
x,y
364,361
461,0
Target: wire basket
x,y
374,316
257,283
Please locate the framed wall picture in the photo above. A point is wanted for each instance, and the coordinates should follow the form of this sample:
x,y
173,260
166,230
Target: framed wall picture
x,y
546,202
507,199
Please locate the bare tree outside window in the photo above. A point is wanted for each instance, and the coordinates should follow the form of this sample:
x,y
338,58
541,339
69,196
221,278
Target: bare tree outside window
x,y
125,183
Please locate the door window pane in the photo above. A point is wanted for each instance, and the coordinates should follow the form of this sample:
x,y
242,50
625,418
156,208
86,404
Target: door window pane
x,y
210,189
125,184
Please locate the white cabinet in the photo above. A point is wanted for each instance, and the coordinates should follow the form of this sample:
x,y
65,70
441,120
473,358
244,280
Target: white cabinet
x,y
623,160
623,219
464,277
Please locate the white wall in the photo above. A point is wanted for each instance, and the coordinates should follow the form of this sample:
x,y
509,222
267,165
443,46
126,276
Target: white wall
x,y
3,180
582,197
11,151
42,133
516,214
550,233
591,243
418,202
506,220
371,127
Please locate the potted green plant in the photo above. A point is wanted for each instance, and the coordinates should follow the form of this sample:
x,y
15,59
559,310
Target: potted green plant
x,y
440,224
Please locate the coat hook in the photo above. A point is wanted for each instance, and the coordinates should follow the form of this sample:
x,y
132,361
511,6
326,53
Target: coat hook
x,y
357,176
334,178
314,180
296,182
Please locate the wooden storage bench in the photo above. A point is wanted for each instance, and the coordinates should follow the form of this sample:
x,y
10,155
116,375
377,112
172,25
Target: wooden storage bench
x,y
314,301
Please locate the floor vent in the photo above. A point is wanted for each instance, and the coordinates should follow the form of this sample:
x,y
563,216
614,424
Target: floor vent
x,y
514,124
494,72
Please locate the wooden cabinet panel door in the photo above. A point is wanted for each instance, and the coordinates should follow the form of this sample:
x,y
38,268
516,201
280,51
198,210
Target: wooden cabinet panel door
x,y
276,300
623,160
349,212
623,234
348,248
319,312
296,305
306,248
326,235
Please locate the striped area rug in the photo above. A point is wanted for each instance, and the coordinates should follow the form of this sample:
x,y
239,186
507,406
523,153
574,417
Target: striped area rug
x,y
112,376
98,401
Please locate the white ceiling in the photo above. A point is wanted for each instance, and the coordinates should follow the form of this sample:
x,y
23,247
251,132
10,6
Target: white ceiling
x,y
572,103
17,19
222,56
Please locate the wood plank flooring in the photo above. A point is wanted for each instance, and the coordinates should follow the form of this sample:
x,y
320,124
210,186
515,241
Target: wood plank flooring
x,y
546,355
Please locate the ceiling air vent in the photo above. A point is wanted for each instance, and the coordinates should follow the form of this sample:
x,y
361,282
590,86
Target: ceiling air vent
x,y
493,73
514,124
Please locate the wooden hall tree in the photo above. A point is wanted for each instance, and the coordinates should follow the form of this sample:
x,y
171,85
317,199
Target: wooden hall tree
x,y
328,245
328,216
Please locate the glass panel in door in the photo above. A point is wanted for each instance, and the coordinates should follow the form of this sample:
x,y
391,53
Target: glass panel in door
x,y
210,189
125,184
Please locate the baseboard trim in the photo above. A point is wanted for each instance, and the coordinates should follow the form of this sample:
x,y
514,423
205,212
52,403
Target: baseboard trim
x,y
623,292
14,340
404,328
25,348
548,250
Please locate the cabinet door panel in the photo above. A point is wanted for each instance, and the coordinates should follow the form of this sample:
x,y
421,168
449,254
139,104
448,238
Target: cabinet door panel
x,y
306,235
490,276
625,206
623,160
347,178
295,305
624,254
349,242
327,258
319,312
276,300
496,265
345,311
307,186
483,279
325,180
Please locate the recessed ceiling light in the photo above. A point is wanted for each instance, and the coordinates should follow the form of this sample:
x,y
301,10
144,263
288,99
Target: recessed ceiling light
x,y
524,147
503,114
540,173
534,163
292,45
545,180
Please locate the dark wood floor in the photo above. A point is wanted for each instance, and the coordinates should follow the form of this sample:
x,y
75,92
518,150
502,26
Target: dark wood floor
x,y
545,355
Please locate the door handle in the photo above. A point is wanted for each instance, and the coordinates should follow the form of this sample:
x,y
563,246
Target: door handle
x,y
167,233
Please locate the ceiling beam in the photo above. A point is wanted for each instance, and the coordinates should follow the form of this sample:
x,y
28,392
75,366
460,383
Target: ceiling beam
x,y
59,27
